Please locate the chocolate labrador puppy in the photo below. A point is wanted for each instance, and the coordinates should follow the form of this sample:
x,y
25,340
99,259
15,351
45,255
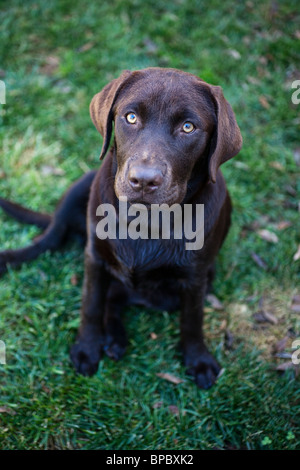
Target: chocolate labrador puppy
x,y
172,131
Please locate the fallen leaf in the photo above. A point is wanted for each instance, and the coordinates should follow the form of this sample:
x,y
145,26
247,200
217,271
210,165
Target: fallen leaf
x,y
174,409
234,53
297,155
46,389
297,254
50,66
51,170
277,165
253,80
273,10
229,339
285,366
170,378
264,102
268,236
74,280
281,344
295,305
283,225
283,355
262,316
214,302
241,165
263,60
290,190
6,409
150,46
86,47
259,261
157,405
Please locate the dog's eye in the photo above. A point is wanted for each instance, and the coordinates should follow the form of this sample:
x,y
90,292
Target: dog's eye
x,y
188,127
131,118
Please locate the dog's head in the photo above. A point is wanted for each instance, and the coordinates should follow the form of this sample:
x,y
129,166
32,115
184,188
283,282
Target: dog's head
x,y
172,132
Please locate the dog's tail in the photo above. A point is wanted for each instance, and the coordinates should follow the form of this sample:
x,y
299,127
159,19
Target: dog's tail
x,y
69,220
24,215
51,240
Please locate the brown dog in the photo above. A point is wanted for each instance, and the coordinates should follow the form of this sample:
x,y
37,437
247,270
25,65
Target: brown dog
x,y
172,132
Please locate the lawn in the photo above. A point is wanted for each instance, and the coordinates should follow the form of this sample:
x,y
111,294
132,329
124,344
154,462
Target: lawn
x,y
54,56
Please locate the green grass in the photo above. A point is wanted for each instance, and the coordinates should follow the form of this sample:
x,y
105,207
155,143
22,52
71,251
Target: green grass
x,y
54,56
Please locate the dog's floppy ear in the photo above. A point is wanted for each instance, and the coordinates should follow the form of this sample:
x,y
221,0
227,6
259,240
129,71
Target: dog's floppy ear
x,y
227,140
101,109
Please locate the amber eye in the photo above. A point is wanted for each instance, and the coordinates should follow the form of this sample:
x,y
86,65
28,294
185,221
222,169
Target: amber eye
x,y
188,127
131,118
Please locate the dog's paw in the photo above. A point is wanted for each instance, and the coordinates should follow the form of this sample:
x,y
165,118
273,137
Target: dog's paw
x,y
204,368
86,355
115,346
115,350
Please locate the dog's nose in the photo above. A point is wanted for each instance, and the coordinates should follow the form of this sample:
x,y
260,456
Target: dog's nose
x,y
145,178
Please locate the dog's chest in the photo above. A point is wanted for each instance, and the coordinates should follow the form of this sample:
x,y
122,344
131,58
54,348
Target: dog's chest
x,y
149,261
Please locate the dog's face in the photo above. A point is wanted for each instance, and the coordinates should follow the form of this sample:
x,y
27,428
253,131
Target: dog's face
x,y
171,129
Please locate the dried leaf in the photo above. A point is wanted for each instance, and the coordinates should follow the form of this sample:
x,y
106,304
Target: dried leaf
x,y
157,405
268,236
297,155
296,256
253,80
170,377
295,306
74,280
214,302
229,339
277,166
259,261
262,316
51,170
264,102
290,190
281,344
50,66
283,225
234,53
6,409
283,355
174,409
285,366
150,46
86,47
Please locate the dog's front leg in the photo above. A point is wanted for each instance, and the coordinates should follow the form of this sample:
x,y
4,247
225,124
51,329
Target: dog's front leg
x,y
86,352
200,363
